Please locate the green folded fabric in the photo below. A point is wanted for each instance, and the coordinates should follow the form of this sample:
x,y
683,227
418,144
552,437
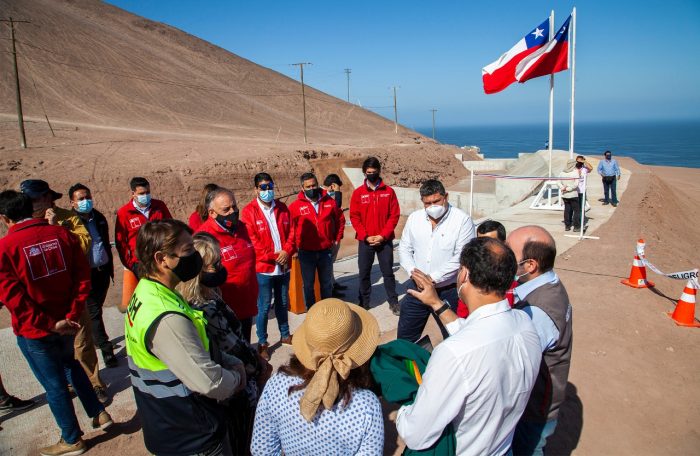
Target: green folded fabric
x,y
392,370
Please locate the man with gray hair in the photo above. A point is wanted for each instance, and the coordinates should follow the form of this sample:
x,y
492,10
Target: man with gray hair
x,y
543,297
240,291
431,243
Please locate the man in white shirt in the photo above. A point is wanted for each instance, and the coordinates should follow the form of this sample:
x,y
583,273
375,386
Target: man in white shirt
x,y
431,243
479,379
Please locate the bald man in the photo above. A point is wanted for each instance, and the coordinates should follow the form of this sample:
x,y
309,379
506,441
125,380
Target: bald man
x,y
543,297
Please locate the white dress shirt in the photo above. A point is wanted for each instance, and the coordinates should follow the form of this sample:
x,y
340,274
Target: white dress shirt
x,y
479,379
269,213
435,251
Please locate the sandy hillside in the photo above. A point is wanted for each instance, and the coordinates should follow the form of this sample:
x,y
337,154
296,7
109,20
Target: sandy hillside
x,y
127,96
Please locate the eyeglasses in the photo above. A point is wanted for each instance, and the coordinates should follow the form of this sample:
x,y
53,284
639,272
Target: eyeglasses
x,y
523,261
269,186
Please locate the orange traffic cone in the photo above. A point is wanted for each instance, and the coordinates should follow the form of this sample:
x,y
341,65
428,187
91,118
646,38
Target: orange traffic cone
x,y
638,274
296,289
128,287
684,315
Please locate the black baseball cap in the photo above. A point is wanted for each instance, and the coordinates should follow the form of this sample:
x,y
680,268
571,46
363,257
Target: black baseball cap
x,y
36,188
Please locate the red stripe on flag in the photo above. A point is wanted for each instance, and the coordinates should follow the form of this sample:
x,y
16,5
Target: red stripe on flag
x,y
549,63
505,75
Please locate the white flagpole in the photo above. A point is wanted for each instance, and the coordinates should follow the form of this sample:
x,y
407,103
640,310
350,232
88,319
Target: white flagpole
x,y
551,101
573,82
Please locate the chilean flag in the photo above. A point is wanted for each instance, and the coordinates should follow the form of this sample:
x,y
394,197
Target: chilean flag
x,y
501,73
549,59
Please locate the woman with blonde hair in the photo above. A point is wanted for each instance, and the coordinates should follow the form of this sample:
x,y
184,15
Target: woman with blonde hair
x,y
201,213
227,346
321,402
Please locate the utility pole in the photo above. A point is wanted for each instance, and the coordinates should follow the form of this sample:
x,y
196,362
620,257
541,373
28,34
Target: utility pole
x,y
20,117
396,113
303,96
433,111
347,73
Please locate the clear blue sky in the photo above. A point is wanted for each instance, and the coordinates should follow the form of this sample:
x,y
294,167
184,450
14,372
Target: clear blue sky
x,y
635,60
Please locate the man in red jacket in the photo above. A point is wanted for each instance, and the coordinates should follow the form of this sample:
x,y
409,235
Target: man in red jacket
x,y
269,226
374,213
44,283
240,292
130,217
318,225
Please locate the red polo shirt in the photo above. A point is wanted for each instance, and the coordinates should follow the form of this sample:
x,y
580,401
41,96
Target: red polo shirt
x,y
129,221
44,277
240,292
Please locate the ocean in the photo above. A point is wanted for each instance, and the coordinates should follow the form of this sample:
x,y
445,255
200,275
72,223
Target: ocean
x,y
664,143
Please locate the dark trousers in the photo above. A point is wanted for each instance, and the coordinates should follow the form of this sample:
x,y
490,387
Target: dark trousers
x,y
312,261
365,259
100,284
52,361
414,314
572,211
610,189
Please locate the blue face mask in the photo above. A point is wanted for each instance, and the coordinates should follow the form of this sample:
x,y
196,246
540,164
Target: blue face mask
x,y
84,206
267,196
144,200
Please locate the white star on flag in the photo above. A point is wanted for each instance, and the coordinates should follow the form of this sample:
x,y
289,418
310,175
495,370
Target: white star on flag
x,y
538,33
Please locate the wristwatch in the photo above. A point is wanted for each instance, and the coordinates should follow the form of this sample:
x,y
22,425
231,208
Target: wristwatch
x,y
441,310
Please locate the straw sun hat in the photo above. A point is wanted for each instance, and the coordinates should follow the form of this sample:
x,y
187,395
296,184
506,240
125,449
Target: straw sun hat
x,y
335,338
570,165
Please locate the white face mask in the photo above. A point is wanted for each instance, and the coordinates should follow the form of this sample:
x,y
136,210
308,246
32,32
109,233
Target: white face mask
x,y
459,288
435,211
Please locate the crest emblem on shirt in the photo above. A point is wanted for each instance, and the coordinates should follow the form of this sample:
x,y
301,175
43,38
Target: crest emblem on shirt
x,y
304,210
228,253
135,223
261,225
364,199
45,259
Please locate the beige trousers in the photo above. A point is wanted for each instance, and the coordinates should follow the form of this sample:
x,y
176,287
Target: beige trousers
x,y
85,351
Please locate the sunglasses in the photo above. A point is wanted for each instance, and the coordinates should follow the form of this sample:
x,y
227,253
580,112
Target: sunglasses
x,y
269,186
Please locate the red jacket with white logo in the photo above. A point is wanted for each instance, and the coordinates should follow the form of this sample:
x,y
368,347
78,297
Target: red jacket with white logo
x,y
129,221
374,212
314,231
240,292
44,277
261,236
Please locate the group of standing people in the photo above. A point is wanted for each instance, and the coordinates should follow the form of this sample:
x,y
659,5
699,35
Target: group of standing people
x,y
201,387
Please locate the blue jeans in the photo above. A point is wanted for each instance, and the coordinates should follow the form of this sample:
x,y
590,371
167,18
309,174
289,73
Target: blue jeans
x,y
414,314
267,285
310,262
52,361
531,437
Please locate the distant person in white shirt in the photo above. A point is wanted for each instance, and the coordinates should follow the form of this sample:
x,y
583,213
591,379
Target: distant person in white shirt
x,y
480,378
431,243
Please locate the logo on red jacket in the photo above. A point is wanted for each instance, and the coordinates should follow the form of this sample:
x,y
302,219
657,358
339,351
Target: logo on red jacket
x,y
364,199
135,223
304,210
261,225
45,259
228,253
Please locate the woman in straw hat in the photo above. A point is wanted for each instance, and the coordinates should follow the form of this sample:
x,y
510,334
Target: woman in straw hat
x,y
320,403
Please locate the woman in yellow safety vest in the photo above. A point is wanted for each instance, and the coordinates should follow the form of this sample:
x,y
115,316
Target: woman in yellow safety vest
x,y
176,384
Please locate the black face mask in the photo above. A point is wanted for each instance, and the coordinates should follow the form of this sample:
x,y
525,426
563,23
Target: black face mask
x,y
229,222
312,193
373,178
188,267
213,279
608,157
579,164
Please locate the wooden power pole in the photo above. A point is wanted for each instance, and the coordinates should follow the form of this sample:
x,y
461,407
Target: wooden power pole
x,y
347,73
433,111
396,113
20,117
303,95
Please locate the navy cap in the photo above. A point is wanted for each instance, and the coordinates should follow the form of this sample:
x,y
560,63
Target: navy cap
x,y
36,188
